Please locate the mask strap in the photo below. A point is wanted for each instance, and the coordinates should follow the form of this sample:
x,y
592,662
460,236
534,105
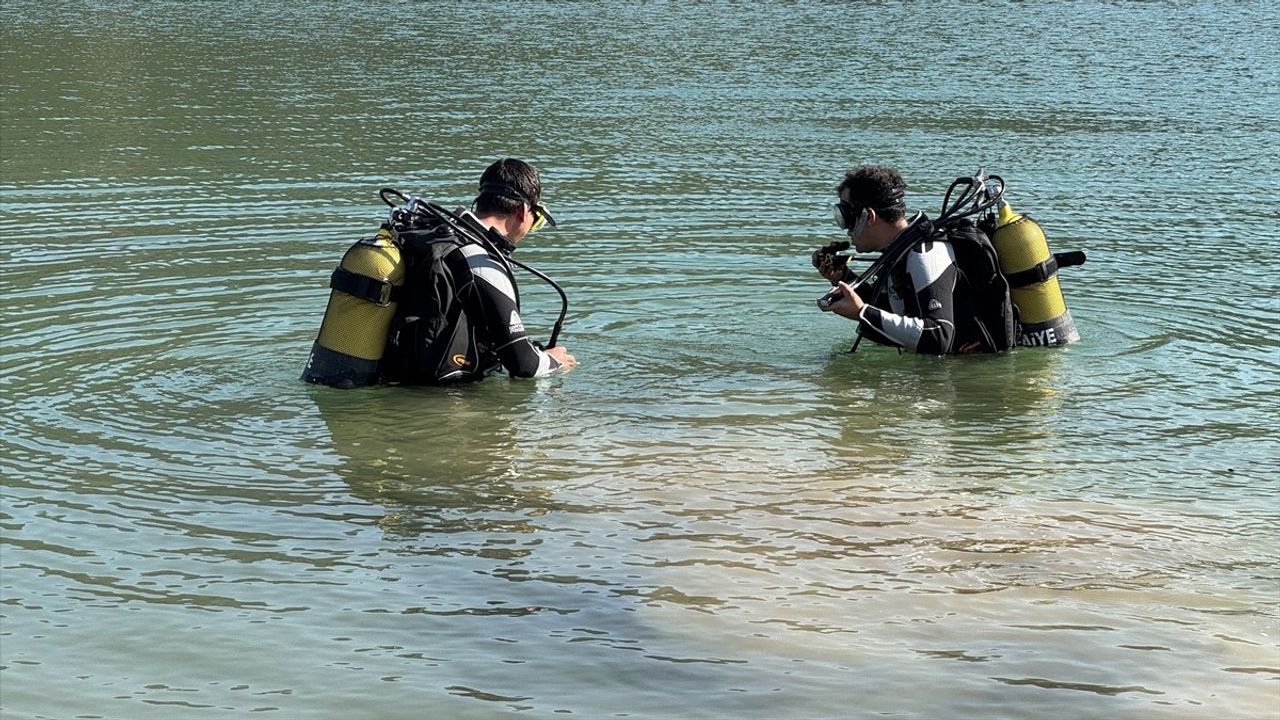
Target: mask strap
x,y
504,190
861,224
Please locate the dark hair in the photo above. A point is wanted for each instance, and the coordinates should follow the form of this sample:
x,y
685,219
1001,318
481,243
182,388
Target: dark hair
x,y
879,187
506,185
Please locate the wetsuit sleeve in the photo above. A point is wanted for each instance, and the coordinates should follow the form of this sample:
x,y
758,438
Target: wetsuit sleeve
x,y
498,317
931,273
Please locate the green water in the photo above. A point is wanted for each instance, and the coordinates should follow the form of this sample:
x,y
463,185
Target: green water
x,y
719,514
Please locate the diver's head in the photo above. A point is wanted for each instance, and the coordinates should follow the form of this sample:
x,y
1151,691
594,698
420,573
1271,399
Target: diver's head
x,y
510,195
871,206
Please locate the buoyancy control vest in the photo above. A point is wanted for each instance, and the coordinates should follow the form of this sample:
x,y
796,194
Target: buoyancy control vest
x,y
395,314
984,316
431,340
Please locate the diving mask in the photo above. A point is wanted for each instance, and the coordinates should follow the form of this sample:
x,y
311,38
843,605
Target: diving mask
x,y
541,216
850,218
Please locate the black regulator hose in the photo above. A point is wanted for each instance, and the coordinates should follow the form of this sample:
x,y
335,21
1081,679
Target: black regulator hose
x,y
384,192
981,193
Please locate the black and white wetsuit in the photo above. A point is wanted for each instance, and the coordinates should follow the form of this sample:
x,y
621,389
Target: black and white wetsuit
x,y
916,310
492,304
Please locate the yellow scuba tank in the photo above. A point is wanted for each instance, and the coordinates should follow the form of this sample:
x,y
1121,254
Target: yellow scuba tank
x,y
362,303
1032,272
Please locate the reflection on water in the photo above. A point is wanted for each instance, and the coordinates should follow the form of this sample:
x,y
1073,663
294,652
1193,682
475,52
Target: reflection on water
x,y
434,463
719,513
983,417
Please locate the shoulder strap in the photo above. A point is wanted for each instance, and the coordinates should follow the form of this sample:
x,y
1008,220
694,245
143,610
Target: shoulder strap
x,y
920,229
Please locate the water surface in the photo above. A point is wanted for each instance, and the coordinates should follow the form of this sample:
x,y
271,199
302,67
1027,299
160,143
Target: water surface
x,y
720,513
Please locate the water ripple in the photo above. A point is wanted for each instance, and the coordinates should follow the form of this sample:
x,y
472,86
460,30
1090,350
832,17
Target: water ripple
x,y
720,510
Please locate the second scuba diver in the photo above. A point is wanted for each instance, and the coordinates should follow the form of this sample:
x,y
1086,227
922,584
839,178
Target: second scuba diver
x,y
939,290
432,299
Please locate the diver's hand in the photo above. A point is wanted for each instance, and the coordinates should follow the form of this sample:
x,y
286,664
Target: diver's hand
x,y
563,357
849,304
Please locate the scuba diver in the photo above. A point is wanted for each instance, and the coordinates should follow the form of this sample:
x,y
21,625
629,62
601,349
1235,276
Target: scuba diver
x,y
432,299
920,299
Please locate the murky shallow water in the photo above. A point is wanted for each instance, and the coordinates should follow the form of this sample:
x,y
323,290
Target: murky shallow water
x,y
719,514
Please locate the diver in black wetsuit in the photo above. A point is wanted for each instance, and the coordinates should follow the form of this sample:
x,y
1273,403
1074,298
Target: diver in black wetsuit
x,y
506,210
927,305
